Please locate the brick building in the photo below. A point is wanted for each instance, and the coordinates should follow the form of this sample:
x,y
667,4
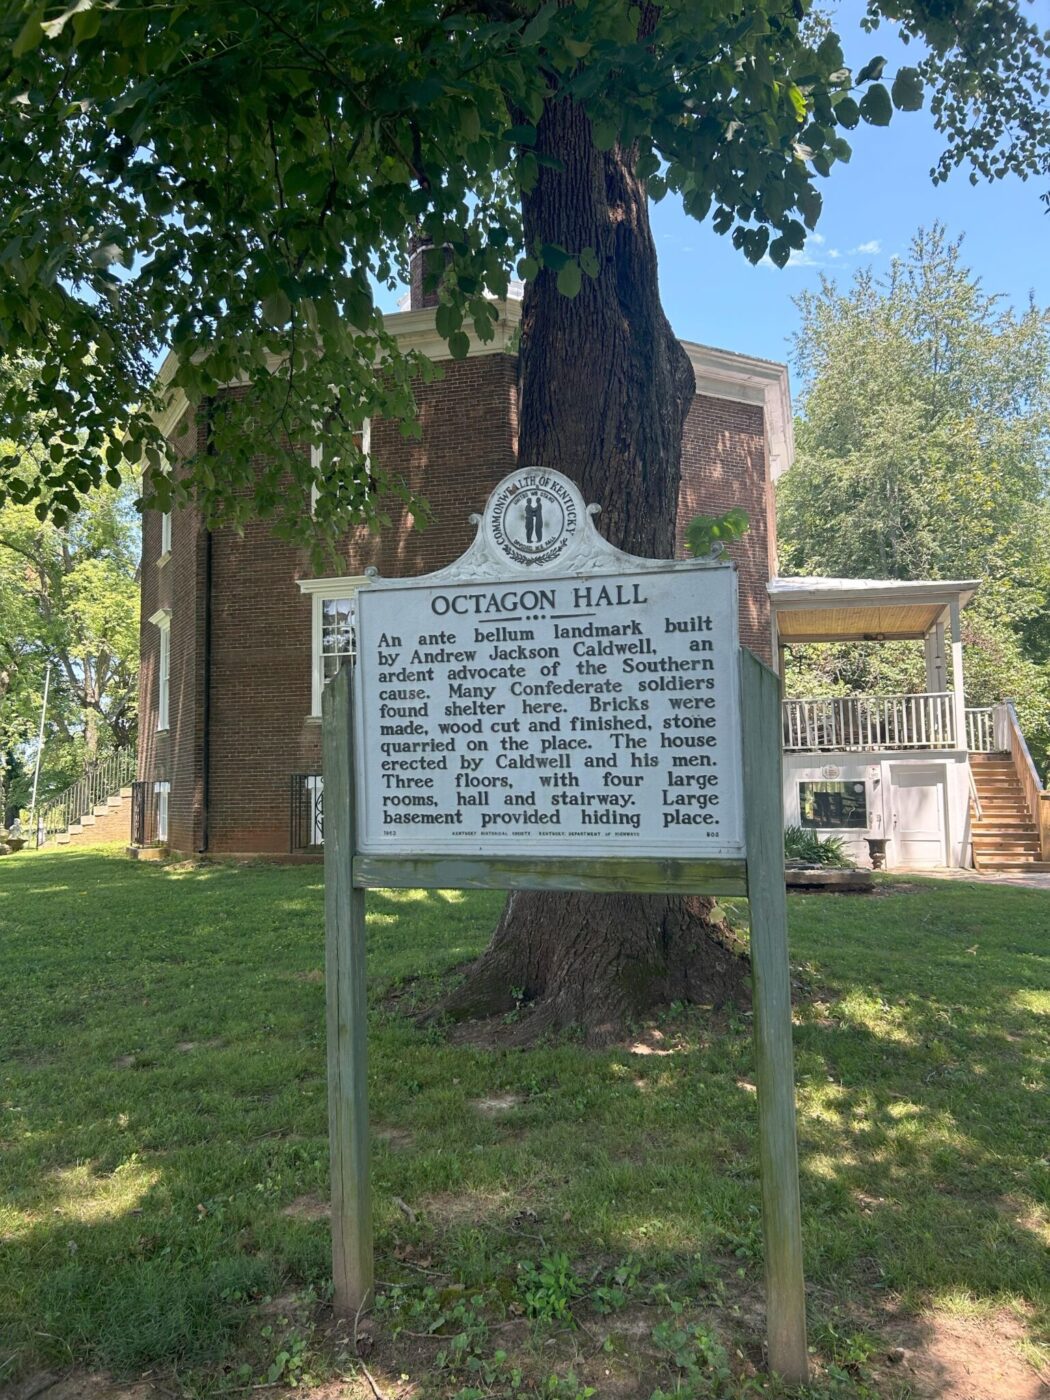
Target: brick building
x,y
238,635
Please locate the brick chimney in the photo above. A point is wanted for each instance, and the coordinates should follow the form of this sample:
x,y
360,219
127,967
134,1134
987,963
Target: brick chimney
x,y
425,263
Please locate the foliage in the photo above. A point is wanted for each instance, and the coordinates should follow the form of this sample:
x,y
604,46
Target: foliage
x,y
68,597
704,532
165,1154
548,1289
232,178
924,452
802,843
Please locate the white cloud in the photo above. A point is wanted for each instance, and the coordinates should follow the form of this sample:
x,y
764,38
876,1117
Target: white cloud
x,y
872,246
817,238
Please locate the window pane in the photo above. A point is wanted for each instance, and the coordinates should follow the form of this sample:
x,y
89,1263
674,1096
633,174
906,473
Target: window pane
x,y
833,804
337,634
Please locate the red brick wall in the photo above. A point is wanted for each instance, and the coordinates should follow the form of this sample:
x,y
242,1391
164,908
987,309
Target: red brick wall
x,y
724,465
174,755
260,640
261,623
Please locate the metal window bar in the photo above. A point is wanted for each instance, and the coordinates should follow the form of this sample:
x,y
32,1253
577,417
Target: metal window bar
x,y
143,813
306,823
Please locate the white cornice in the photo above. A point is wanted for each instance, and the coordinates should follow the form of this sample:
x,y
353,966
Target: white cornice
x,y
721,374
333,587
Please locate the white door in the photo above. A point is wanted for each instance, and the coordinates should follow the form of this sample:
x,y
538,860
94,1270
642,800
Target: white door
x,y
918,825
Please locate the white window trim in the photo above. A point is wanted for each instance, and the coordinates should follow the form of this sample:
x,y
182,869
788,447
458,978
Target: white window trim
x,y
161,619
162,795
316,458
165,537
318,589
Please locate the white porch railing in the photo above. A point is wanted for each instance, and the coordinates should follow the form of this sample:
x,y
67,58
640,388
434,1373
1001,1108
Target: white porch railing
x,y
980,730
851,722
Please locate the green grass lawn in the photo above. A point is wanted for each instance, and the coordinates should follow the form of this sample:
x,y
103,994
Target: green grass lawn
x,y
554,1222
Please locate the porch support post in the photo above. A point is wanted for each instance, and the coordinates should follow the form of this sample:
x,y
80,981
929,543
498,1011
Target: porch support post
x,y
936,671
958,689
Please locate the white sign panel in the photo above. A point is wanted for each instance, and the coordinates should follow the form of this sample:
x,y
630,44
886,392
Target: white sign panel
x,y
578,715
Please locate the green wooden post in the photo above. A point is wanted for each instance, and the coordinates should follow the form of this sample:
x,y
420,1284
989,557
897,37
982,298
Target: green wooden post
x,y
771,982
347,1014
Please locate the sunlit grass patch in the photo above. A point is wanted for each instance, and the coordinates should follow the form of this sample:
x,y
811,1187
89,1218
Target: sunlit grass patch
x,y
163,1121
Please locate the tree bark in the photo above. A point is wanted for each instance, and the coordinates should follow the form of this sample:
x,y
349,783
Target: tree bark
x,y
604,392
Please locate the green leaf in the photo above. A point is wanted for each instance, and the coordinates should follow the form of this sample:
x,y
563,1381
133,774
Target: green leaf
x,y
539,24
589,262
570,279
907,91
469,121
871,70
29,36
528,268
459,345
847,113
605,131
554,256
875,106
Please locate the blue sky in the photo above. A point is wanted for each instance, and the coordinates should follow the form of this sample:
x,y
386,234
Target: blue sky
x,y
872,208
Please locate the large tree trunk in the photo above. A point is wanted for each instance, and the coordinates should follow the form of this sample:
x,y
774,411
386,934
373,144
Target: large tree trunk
x,y
605,389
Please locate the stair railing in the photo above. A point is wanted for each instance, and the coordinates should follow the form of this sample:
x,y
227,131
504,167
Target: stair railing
x,y
1036,796
98,782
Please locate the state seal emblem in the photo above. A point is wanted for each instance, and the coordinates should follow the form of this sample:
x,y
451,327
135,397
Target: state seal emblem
x,y
533,517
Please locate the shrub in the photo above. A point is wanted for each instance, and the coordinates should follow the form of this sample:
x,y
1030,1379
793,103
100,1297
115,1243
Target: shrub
x,y
800,843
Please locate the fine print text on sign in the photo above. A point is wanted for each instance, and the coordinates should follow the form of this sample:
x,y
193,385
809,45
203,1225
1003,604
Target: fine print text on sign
x,y
574,716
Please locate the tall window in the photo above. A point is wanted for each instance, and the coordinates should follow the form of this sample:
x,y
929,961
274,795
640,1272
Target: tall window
x,y
337,635
363,442
161,619
165,534
160,798
334,605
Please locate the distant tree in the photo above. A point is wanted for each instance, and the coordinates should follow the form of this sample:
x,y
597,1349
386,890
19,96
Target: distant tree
x,y
923,451
68,596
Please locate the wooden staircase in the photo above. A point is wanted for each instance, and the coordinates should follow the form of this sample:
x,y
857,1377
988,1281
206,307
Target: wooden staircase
x,y
1005,835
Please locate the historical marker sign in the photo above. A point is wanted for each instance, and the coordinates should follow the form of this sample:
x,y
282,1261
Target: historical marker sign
x,y
550,713
589,715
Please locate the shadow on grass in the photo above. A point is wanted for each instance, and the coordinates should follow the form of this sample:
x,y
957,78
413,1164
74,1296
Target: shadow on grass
x,y
164,1106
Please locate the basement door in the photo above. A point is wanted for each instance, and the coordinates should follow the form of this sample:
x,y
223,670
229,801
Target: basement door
x,y
919,826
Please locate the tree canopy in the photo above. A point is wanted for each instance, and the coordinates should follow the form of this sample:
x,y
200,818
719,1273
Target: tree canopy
x,y
68,597
233,179
923,451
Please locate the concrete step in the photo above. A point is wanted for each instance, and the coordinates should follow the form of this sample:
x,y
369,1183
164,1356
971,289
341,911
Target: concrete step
x,y
62,839
101,809
88,819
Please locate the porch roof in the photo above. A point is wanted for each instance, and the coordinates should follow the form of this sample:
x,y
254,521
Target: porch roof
x,y
863,609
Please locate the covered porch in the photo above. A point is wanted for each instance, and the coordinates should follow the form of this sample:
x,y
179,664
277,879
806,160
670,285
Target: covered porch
x,y
883,772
